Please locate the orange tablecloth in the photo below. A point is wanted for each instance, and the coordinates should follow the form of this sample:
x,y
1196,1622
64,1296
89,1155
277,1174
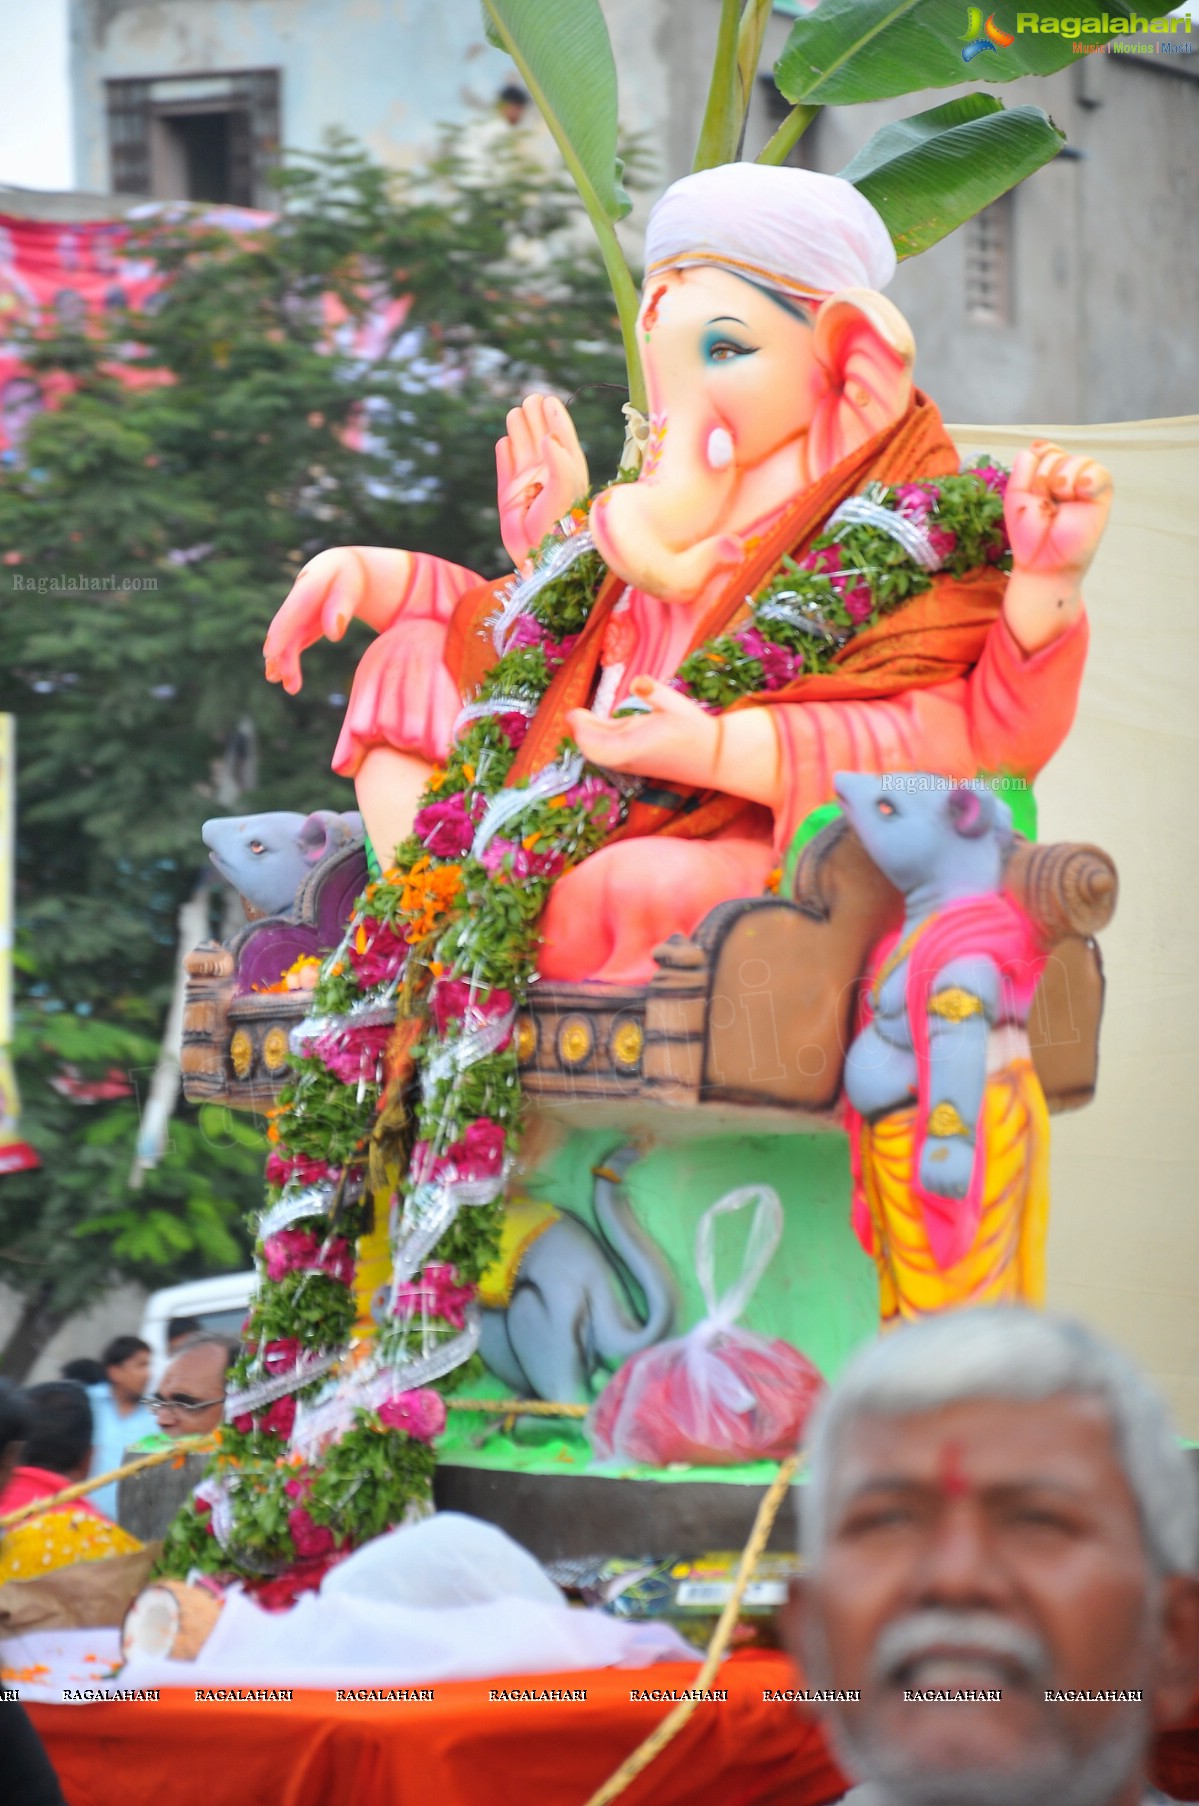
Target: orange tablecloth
x,y
463,1749
460,1749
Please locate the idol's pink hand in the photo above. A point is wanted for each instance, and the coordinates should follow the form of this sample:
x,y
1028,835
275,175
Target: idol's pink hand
x,y
676,739
1056,509
370,583
323,600
541,472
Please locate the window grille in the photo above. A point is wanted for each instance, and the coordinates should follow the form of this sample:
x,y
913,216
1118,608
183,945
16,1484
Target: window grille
x,y
989,265
162,131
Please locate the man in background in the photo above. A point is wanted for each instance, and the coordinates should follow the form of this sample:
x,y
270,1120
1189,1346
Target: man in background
x,y
181,1329
24,1765
1001,1533
190,1401
119,1415
56,1454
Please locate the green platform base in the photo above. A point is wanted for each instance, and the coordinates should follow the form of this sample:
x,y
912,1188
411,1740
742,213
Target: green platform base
x,y
541,1484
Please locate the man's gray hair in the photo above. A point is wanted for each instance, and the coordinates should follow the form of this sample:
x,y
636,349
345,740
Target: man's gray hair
x,y
208,1338
1013,1353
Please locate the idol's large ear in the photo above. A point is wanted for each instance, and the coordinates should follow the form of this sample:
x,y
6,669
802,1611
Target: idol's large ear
x,y
865,352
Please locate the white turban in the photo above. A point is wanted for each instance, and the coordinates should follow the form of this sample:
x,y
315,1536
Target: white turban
x,y
802,234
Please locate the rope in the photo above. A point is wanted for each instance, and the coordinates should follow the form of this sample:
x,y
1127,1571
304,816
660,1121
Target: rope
x,y
186,1445
663,1733
672,1724
517,1407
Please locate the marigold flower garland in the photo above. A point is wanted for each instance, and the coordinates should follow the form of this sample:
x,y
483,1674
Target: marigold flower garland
x,y
446,942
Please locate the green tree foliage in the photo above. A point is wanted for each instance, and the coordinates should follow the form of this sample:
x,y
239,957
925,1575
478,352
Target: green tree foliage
x,y
218,484
70,1226
257,434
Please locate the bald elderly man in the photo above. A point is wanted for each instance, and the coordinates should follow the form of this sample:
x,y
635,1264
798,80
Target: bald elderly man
x,y
190,1400
1000,1532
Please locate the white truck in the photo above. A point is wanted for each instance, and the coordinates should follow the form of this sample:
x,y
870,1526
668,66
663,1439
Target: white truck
x,y
218,1304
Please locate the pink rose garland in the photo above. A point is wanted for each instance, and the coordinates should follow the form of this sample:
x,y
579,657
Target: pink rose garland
x,y
300,1250
436,1293
419,1414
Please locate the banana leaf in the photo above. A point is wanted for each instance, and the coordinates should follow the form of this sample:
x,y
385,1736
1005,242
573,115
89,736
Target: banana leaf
x,y
738,50
849,51
928,174
564,55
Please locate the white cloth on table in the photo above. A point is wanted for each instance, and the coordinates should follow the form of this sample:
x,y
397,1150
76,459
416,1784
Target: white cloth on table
x,y
448,1599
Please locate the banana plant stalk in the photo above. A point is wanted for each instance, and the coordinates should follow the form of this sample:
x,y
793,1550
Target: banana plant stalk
x,y
564,55
734,70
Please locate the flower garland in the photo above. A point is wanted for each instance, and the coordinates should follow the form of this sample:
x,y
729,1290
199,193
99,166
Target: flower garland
x,y
877,551
434,965
446,939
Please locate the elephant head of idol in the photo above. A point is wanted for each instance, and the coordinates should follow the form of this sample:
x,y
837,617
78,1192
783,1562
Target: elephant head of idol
x,y
769,356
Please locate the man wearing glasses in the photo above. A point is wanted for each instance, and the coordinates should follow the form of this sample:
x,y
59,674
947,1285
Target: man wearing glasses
x,y
190,1400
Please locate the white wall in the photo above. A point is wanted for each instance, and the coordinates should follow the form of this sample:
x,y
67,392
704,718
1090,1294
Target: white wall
x,y
117,1313
35,109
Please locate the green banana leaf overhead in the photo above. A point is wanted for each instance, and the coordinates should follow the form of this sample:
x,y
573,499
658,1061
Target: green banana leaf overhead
x,y
849,51
928,174
564,55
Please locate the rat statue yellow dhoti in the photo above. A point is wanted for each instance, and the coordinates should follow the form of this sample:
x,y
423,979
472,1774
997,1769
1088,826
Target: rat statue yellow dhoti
x,y
949,1133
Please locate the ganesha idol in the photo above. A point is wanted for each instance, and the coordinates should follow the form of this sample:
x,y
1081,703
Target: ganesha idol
x,y
780,385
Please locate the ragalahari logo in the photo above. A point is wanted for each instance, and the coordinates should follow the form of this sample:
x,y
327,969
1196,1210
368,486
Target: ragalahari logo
x,y
983,37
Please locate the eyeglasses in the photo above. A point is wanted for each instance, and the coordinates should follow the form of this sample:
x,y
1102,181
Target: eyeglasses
x,y
179,1401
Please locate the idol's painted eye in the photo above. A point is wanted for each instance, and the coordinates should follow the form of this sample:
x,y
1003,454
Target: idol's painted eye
x,y
719,348
257,846
885,808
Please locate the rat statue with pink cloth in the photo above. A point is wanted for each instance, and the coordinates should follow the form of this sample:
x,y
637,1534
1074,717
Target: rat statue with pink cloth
x,y
605,964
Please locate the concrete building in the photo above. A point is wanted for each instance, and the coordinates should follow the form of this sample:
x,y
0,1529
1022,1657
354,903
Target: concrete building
x,y
193,98
1073,297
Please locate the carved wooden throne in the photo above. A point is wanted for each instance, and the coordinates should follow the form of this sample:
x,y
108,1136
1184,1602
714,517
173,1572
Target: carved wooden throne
x,y
747,1020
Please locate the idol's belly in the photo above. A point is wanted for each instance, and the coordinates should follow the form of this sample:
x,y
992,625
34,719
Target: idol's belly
x,y
879,1075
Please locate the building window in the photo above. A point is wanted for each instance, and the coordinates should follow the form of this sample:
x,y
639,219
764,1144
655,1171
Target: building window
x,y
196,138
989,264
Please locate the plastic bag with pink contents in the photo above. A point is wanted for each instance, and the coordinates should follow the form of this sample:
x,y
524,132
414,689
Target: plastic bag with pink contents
x,y
718,1395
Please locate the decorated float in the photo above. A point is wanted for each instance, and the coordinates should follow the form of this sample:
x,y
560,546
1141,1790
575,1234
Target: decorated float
x,y
688,996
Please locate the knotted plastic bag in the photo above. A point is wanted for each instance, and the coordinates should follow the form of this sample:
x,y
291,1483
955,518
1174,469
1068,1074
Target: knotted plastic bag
x,y
719,1395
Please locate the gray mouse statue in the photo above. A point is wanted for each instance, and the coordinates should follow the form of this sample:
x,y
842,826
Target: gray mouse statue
x,y
948,1127
267,857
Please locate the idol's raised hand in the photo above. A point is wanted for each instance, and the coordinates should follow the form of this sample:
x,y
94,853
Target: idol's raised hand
x,y
541,473
1056,509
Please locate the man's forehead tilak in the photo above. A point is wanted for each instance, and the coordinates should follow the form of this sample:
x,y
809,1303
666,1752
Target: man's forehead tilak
x,y
870,1457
